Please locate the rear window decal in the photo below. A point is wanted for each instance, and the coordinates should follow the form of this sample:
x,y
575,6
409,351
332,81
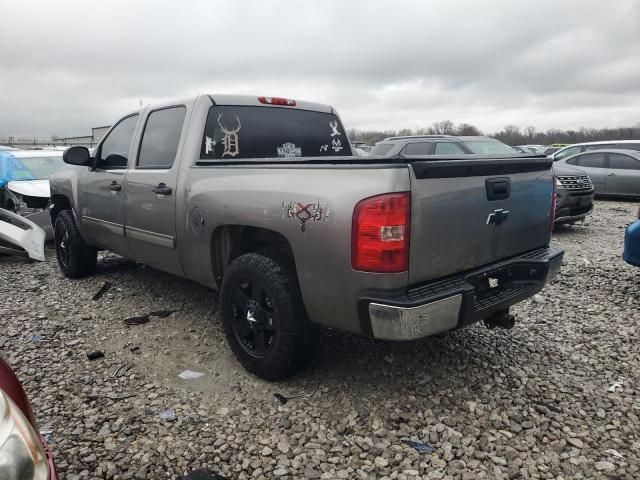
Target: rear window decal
x,y
210,144
334,128
230,140
235,132
289,149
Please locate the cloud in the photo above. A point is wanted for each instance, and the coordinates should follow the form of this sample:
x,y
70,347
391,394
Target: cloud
x,y
70,65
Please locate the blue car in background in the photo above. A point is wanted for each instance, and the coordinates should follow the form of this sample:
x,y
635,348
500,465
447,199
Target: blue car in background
x,y
631,253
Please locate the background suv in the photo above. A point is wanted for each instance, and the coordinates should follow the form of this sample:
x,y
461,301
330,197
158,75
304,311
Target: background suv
x,y
576,148
574,194
574,188
441,145
613,172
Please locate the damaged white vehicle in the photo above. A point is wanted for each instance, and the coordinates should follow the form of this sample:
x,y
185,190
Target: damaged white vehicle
x,y
24,184
20,236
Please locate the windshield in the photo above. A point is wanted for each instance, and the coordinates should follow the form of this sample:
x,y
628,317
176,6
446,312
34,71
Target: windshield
x,y
488,147
41,168
18,167
238,132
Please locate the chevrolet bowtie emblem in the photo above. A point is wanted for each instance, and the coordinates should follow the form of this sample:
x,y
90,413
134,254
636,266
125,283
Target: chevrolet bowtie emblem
x,y
497,217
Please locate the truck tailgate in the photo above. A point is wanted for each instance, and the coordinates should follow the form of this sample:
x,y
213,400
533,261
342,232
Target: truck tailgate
x,y
466,213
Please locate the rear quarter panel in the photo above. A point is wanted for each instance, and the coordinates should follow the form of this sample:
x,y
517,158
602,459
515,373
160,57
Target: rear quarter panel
x,y
261,197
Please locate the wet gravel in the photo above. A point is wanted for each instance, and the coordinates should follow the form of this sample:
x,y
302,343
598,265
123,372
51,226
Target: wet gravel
x,y
556,397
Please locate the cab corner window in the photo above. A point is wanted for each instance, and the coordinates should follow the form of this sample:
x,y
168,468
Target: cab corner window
x,y
161,137
114,151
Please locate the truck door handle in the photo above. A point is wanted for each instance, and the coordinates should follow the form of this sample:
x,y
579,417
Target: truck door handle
x,y
115,186
162,189
611,174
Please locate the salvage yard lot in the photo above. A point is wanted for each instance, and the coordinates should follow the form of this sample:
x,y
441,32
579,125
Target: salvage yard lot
x,y
532,402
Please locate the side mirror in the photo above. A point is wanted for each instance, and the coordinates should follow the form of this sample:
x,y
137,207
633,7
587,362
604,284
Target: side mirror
x,y
77,156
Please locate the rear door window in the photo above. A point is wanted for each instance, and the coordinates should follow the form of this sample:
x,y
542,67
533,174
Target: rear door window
x,y
593,160
623,162
448,148
239,132
161,138
418,148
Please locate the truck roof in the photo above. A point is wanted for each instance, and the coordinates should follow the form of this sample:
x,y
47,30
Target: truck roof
x,y
244,100
252,100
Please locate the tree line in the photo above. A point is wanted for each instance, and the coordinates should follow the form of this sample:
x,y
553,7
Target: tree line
x,y
510,134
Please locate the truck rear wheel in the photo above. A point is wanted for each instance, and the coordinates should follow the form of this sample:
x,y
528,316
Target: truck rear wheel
x,y
264,318
75,257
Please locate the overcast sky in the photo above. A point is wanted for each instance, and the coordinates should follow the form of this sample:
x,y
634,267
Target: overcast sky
x,y
67,66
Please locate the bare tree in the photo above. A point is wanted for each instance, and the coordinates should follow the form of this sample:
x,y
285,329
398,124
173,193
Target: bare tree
x,y
467,129
530,132
443,127
510,134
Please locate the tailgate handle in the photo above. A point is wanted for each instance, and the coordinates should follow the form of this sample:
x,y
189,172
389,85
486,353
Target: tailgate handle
x,y
498,188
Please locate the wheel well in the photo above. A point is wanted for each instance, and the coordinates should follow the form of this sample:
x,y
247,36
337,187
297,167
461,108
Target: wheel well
x,y
228,242
58,204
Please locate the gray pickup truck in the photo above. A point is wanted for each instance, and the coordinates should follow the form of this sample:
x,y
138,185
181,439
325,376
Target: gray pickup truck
x,y
261,199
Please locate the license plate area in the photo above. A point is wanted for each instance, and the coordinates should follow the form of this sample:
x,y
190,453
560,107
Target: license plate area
x,y
492,282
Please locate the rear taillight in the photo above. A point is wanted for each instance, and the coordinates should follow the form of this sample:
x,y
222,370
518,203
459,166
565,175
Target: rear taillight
x,y
277,101
554,201
380,233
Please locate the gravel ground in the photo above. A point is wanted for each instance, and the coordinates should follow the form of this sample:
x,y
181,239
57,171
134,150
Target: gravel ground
x,y
534,402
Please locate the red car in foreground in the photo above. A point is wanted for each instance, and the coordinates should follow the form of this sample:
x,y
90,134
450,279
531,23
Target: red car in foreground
x,y
24,454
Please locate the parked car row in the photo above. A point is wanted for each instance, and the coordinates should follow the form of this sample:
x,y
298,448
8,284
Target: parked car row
x,y
407,146
574,149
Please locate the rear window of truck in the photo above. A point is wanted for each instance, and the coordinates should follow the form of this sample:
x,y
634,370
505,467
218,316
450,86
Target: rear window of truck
x,y
239,132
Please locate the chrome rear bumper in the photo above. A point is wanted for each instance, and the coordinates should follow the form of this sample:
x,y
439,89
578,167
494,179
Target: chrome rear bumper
x,y
460,300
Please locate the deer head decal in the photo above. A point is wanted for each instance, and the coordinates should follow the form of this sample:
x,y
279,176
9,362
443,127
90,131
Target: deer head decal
x,y
230,140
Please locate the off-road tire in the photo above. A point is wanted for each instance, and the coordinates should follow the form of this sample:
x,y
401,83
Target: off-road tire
x,y
76,258
295,339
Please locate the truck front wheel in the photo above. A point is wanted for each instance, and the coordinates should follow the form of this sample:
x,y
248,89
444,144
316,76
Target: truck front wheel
x,y
75,257
264,318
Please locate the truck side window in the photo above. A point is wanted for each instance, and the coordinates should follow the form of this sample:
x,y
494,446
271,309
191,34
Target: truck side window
x,y
114,151
161,137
